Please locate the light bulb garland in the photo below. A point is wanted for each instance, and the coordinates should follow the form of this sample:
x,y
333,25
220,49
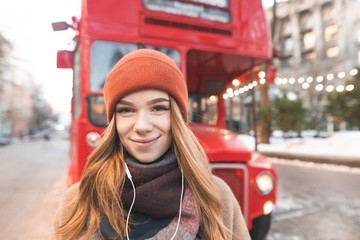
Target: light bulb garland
x,y
305,83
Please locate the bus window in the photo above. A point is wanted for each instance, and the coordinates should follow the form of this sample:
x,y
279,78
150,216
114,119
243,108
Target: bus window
x,y
203,108
76,89
104,55
97,110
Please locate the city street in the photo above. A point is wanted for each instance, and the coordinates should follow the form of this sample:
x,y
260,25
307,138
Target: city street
x,y
32,182
316,203
313,203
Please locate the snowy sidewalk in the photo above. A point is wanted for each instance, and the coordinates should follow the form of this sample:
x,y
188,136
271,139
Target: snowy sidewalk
x,y
342,148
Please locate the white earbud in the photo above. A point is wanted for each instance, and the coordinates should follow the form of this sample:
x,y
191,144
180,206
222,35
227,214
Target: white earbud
x,y
128,172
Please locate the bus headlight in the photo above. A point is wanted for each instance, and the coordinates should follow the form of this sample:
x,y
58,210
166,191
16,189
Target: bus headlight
x,y
268,207
93,139
264,183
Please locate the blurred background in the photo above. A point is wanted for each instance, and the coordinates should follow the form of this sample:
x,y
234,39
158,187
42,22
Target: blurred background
x,y
310,113
317,54
34,94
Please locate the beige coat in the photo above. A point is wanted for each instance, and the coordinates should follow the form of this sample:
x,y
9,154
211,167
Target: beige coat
x,y
232,216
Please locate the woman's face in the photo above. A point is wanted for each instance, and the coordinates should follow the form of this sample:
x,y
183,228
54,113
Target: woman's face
x,y
143,124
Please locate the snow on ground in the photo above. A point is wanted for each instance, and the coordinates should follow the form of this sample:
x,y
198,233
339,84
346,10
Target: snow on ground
x,y
322,166
340,144
345,144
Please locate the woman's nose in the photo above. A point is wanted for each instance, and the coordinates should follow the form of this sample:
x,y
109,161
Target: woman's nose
x,y
143,123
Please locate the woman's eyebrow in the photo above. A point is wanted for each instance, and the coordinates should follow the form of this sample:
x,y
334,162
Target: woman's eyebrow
x,y
157,100
152,101
124,102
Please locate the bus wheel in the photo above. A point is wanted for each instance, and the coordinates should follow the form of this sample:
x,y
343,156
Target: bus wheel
x,y
260,227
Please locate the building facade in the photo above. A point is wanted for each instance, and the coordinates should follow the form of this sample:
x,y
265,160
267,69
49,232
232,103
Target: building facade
x,y
23,109
319,41
5,87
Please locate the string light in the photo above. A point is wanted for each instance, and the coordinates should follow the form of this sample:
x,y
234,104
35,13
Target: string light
x,y
309,79
330,76
319,87
305,83
262,74
349,87
236,82
278,81
292,80
319,78
330,88
353,72
340,88
341,74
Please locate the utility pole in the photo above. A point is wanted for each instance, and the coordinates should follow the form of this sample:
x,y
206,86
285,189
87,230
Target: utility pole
x,y
265,106
253,107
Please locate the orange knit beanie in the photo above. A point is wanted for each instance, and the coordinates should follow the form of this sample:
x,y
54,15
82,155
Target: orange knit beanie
x,y
145,69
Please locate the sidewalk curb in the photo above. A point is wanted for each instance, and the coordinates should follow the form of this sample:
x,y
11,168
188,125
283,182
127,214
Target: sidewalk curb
x,y
337,160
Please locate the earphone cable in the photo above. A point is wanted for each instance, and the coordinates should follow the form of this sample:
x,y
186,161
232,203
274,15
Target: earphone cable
x,y
131,206
180,208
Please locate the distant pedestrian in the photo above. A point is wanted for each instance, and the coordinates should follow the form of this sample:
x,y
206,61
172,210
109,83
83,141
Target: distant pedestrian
x,y
149,178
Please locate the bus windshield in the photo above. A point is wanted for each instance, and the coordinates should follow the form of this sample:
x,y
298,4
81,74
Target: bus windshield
x,y
104,55
203,108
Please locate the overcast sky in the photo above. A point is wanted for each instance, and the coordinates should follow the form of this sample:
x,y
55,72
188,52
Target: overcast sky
x,y
26,24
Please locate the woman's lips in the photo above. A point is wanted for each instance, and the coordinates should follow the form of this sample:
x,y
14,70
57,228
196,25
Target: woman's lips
x,y
144,143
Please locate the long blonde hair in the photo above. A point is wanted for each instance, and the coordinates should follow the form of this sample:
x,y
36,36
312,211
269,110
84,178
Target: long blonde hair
x,y
104,178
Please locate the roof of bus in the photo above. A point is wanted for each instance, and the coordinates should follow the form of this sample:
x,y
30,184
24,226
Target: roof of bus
x,y
230,44
237,27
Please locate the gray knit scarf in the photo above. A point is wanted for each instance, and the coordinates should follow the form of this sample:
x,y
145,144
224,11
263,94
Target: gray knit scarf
x,y
155,212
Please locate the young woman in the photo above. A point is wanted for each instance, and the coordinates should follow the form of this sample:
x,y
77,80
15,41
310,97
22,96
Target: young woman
x,y
149,178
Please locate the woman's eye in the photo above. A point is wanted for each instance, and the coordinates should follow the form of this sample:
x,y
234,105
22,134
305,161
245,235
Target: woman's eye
x,y
124,110
160,108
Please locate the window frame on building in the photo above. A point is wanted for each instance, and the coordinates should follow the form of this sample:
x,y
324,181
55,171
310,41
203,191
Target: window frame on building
x,y
306,26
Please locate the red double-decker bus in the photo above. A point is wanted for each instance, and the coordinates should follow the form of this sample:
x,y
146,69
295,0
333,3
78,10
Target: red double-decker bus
x,y
213,42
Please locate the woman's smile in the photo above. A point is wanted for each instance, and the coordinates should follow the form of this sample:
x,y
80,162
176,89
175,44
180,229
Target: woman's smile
x,y
145,143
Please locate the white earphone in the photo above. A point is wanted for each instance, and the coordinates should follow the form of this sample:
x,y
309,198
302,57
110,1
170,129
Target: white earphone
x,y
128,174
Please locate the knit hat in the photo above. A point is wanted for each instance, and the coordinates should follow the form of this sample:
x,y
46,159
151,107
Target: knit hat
x,y
145,69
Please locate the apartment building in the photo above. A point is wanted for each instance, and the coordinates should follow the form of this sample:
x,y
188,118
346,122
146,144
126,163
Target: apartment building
x,y
320,45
